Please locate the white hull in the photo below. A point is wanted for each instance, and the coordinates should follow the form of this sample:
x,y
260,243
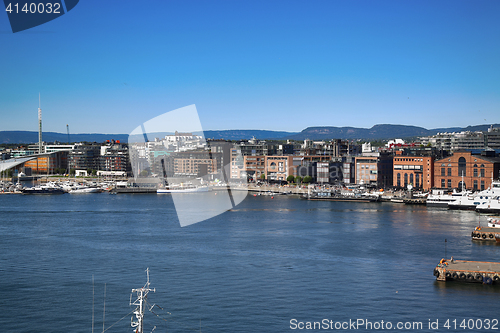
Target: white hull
x,y
490,206
85,190
183,190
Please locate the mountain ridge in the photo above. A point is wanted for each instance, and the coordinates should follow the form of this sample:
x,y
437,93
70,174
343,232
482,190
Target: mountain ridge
x,y
376,132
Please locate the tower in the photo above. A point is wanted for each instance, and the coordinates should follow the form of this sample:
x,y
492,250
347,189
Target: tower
x,y
39,126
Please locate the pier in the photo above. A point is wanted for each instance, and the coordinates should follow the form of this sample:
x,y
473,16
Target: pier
x,y
485,234
468,271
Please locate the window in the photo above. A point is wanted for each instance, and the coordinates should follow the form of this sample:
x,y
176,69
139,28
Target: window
x,y
417,180
449,183
443,183
449,171
482,185
475,185
406,179
462,166
475,172
411,178
482,173
443,172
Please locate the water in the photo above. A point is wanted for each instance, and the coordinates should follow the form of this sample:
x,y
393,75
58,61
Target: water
x,y
252,269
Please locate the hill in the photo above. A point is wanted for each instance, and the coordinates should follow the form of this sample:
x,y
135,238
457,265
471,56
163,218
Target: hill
x,y
377,132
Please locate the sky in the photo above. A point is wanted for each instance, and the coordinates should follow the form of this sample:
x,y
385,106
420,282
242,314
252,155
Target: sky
x,y
109,66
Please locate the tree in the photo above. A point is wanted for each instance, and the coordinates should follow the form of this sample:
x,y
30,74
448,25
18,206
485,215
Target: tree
x,y
290,179
298,179
263,176
307,179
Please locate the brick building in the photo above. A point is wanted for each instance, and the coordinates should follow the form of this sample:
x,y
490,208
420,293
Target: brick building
x,y
415,170
477,170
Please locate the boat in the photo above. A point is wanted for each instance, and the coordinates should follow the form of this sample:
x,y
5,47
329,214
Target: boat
x,y
466,201
140,303
441,198
85,190
45,189
182,188
471,201
493,223
492,205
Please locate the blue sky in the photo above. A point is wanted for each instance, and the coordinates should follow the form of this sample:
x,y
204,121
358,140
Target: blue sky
x,y
108,66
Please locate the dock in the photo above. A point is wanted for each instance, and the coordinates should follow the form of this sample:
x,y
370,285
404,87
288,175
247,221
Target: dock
x,y
468,271
485,234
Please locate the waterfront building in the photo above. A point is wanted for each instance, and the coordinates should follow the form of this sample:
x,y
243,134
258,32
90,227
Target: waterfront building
x,y
374,169
415,170
85,156
114,157
197,164
464,169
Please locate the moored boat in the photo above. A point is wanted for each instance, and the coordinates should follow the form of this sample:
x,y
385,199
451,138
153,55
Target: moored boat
x,y
43,190
182,189
492,205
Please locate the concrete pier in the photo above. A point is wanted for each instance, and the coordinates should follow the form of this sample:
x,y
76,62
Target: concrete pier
x,y
468,271
485,234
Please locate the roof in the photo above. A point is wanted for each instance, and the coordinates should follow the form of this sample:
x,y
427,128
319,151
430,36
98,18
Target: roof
x,y
13,162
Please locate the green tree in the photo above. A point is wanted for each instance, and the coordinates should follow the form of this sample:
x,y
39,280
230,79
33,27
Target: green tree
x,y
72,172
290,179
263,176
298,179
307,179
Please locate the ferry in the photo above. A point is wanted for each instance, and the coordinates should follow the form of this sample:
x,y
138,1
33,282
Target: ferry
x,y
472,201
492,205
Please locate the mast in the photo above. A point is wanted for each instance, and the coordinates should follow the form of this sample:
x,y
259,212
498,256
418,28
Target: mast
x,y
39,126
142,295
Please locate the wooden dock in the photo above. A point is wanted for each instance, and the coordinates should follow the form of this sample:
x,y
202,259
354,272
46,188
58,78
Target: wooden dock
x,y
468,271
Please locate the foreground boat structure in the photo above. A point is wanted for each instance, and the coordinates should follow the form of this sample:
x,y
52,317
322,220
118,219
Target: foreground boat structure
x,y
468,271
141,304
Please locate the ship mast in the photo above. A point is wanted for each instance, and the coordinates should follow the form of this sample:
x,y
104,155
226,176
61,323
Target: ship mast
x,y
39,126
142,295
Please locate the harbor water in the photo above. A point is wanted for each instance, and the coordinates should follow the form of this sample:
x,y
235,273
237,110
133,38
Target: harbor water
x,y
69,262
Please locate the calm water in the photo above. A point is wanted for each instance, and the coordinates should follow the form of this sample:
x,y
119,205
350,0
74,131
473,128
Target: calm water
x,y
252,269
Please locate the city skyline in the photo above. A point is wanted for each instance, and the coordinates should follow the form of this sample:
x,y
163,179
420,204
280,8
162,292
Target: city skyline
x,y
280,66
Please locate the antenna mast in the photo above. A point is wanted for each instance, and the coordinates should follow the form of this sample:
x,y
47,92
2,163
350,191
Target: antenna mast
x,y
142,295
39,126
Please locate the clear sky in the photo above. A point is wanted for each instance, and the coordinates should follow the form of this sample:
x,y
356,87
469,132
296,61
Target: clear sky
x,y
109,65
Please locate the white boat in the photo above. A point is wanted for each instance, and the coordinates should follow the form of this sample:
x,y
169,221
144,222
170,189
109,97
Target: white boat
x,y
493,223
441,198
85,190
471,201
464,202
182,189
491,205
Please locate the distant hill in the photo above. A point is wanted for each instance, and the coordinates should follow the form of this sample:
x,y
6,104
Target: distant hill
x,y
27,137
247,134
377,132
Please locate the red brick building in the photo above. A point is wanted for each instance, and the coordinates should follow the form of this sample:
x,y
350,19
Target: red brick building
x,y
477,171
415,170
